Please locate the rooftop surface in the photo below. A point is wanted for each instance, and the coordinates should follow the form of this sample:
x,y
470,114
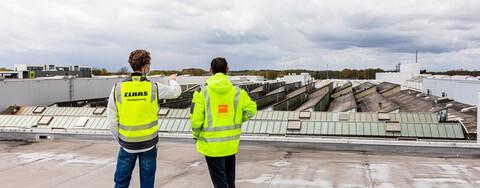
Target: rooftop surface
x,y
342,87
414,101
362,87
342,103
310,103
370,102
385,86
92,164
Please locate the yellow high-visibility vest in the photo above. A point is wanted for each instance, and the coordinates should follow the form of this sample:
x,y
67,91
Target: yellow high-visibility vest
x,y
136,100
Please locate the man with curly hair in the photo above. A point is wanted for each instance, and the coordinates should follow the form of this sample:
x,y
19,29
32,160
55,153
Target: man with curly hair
x,y
132,116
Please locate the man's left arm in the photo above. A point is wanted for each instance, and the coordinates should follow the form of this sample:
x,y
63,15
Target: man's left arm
x,y
169,91
249,107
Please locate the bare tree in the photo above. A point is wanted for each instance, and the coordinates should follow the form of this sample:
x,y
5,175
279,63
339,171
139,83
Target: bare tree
x,y
123,70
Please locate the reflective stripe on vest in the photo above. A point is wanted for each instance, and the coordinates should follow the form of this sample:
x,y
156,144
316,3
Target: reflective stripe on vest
x,y
137,127
211,128
139,138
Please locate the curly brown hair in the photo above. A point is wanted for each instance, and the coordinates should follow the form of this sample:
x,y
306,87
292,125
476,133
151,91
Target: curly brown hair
x,y
138,59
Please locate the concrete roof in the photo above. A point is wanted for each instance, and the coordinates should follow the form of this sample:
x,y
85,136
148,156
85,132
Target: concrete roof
x,y
385,86
362,87
418,79
340,88
412,102
257,89
370,102
310,103
342,103
423,104
92,164
280,89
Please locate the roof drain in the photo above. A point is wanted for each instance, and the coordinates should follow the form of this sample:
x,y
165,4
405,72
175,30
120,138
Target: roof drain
x,y
44,137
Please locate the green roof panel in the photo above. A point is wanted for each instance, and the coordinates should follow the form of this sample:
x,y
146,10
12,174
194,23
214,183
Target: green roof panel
x,y
434,129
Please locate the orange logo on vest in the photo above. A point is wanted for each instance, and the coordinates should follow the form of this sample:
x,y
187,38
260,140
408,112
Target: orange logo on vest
x,y
222,108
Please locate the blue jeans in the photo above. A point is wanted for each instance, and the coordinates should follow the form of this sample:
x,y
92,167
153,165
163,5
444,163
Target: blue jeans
x,y
126,163
222,171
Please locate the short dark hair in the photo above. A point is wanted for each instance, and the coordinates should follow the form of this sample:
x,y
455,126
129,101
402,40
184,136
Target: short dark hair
x,y
138,59
219,64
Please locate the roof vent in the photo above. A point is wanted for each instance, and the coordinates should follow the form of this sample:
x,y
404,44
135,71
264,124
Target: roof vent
x,y
81,122
293,124
383,116
99,110
39,109
163,111
45,120
305,114
392,126
343,116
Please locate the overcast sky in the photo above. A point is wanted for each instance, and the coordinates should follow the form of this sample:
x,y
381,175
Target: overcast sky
x,y
266,34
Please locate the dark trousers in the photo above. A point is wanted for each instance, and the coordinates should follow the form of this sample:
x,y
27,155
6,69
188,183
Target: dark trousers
x,y
222,171
126,163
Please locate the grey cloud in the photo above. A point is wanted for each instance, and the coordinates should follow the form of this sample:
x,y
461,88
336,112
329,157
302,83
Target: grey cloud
x,y
252,34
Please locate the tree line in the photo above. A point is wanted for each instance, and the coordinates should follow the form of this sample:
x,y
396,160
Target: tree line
x,y
273,74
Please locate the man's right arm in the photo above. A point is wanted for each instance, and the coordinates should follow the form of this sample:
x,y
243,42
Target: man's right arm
x,y
112,114
197,113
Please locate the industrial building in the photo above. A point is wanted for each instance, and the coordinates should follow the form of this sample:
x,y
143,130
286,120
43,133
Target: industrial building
x,y
405,72
295,123
33,67
281,102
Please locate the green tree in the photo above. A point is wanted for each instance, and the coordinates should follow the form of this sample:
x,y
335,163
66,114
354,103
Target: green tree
x,y
5,69
272,74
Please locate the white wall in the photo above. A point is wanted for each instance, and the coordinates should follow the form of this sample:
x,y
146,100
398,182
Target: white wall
x,y
413,68
407,71
393,77
31,92
303,77
460,90
414,85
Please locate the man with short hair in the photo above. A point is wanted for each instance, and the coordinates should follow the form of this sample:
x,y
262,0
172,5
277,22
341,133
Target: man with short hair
x,y
217,113
132,116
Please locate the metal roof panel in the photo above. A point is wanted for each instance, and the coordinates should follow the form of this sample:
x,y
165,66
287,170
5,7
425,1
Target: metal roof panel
x,y
411,130
442,131
426,130
359,129
374,128
449,130
331,128
434,129
457,128
353,128
381,129
419,130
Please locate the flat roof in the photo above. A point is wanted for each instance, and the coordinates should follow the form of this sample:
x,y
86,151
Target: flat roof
x,y
92,164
